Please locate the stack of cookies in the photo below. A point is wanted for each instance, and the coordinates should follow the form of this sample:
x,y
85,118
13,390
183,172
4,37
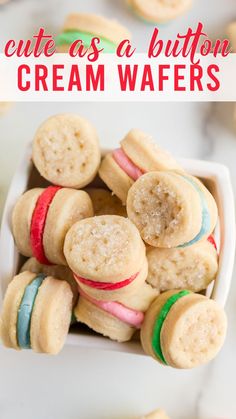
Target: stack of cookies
x,y
133,250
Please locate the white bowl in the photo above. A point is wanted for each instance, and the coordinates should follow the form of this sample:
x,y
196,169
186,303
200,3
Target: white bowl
x,y
214,175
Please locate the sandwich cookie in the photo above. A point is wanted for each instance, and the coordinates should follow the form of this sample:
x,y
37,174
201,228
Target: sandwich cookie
x,y
191,268
36,313
157,414
171,209
117,320
84,27
57,271
108,318
41,219
159,11
66,151
183,330
104,203
138,154
107,256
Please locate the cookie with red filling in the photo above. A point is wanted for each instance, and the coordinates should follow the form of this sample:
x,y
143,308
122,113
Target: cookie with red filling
x,y
42,217
107,256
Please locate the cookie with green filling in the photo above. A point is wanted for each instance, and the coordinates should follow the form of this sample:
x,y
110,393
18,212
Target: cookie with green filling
x,y
36,313
85,26
183,330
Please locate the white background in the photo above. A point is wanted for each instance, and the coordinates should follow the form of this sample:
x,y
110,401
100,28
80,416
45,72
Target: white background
x,y
87,384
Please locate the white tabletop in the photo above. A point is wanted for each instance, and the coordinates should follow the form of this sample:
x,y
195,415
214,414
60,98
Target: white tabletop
x,y
87,384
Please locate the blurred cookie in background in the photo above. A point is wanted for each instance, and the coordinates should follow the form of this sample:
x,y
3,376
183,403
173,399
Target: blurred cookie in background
x,y
157,414
159,11
85,26
4,106
231,34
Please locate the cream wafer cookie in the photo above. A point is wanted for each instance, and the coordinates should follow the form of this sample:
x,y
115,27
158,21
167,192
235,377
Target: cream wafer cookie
x,y
159,11
116,319
171,209
104,203
138,154
42,217
84,27
192,267
183,330
36,313
107,256
66,151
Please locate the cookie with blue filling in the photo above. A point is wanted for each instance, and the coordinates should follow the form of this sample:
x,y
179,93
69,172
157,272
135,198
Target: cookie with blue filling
x,y
36,313
171,209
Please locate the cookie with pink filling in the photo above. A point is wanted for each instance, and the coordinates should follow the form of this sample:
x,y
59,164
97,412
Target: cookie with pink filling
x,y
107,256
138,154
115,319
41,219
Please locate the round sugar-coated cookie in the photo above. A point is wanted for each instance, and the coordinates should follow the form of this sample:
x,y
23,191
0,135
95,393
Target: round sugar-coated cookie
x,y
157,414
159,11
138,154
36,313
42,217
170,209
86,26
105,203
107,255
66,151
57,271
183,330
192,267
